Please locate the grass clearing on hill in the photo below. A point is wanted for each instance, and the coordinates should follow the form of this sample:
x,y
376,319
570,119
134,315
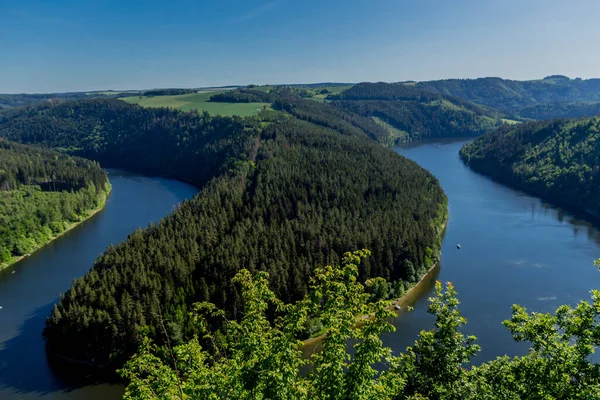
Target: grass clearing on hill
x,y
199,102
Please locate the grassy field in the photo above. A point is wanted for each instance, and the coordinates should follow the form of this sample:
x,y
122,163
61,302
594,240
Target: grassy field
x,y
199,102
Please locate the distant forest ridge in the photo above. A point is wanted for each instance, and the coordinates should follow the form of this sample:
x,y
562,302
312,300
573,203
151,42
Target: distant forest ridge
x,y
555,96
515,97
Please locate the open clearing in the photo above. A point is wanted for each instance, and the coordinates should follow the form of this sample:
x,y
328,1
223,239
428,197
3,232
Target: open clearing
x,y
198,102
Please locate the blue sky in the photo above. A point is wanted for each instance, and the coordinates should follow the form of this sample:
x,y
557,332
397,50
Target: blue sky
x,y
68,45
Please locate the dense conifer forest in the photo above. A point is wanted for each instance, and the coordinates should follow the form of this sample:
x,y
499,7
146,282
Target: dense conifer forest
x,y
512,96
42,193
558,159
408,113
279,194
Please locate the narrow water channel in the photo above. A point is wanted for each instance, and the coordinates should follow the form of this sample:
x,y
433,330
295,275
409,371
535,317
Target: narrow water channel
x,y
29,289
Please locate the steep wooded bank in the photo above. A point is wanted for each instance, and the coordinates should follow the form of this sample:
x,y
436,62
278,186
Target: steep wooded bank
x,y
43,193
279,195
409,113
558,159
513,96
158,141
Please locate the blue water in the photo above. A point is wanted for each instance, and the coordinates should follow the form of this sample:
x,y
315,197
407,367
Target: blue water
x,y
28,294
515,248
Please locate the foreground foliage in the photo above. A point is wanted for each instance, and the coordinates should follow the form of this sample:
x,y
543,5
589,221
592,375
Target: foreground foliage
x,y
259,359
559,159
42,193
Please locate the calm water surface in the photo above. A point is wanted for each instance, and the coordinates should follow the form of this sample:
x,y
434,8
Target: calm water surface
x,y
515,249
28,294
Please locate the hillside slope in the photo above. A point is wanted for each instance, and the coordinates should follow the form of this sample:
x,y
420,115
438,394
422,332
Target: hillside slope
x,y
409,113
278,194
558,159
512,96
43,193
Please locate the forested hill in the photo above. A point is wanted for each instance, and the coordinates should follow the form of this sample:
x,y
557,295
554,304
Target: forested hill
x,y
557,159
158,141
407,112
278,194
42,193
512,96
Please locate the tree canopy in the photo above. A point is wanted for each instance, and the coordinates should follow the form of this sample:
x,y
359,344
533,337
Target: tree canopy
x,y
278,194
512,96
260,358
42,193
558,159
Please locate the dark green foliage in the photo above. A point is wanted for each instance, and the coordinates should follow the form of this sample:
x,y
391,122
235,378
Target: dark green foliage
x,y
416,113
27,165
252,95
159,141
243,96
279,195
558,159
560,110
18,100
167,92
332,117
42,193
512,96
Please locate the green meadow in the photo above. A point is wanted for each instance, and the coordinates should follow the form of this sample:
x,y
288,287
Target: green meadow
x,y
199,102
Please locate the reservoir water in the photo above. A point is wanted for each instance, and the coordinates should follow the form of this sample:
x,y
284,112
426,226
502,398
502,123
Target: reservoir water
x,y
515,248
28,294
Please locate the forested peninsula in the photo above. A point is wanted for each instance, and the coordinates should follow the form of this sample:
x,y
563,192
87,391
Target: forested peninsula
x,y
281,192
42,194
557,159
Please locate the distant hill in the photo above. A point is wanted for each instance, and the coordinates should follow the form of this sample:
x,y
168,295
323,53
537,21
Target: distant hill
x,y
409,112
513,96
8,101
560,110
558,159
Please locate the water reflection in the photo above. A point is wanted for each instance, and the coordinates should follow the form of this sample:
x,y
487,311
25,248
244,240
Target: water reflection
x,y
30,288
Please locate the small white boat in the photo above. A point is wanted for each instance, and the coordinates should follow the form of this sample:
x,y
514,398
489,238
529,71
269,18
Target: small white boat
x,y
458,246
397,307
0,307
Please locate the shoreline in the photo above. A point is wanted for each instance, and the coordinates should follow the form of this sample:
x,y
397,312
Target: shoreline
x,y
573,208
400,301
69,228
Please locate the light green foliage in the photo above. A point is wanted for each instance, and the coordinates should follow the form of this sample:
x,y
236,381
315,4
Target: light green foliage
x,y
434,366
43,193
198,102
259,358
30,217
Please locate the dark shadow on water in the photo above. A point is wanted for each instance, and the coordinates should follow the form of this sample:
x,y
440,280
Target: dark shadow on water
x,y
25,367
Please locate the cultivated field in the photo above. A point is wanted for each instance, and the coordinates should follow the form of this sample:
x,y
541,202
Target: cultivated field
x,y
199,102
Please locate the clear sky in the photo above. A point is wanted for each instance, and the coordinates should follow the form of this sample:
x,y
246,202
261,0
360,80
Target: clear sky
x,y
78,45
